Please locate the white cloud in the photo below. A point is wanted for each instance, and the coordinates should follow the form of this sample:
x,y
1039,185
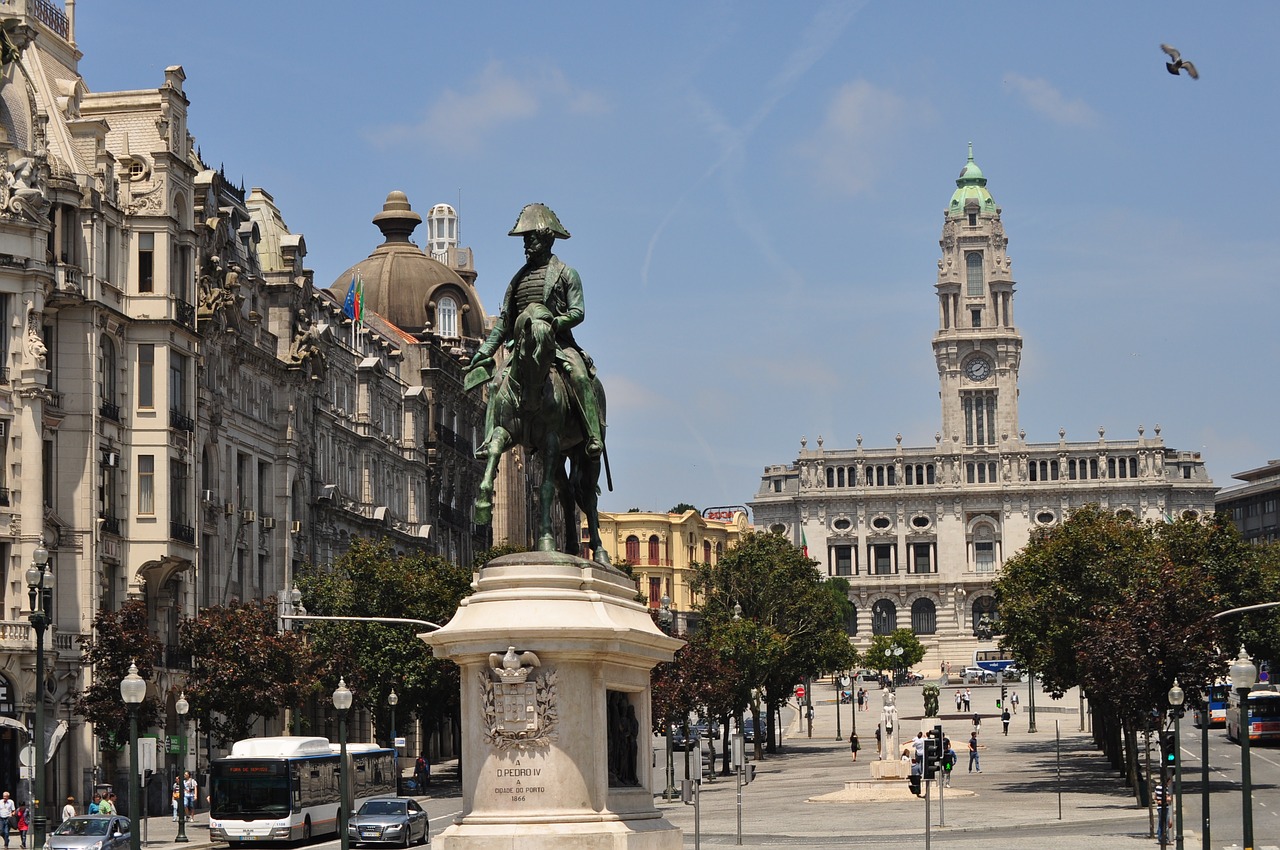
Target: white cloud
x,y
1042,97
859,131
461,119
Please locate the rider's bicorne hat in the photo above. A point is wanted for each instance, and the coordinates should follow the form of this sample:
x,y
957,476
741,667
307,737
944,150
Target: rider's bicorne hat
x,y
538,217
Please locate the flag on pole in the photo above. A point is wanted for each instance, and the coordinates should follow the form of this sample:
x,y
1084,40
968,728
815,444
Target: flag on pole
x,y
804,543
353,306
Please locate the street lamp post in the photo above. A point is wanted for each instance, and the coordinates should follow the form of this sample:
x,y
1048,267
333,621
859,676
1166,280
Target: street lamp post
x,y
665,619
1243,677
181,707
133,688
392,699
342,702
1176,697
1204,776
40,592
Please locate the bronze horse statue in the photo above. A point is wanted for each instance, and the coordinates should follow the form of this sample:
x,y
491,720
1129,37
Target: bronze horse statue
x,y
530,405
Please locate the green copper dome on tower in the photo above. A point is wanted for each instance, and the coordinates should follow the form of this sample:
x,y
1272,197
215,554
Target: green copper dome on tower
x,y
971,186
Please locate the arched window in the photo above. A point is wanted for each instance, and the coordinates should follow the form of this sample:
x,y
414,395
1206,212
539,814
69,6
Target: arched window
x,y
633,549
655,550
924,617
706,551
447,317
973,272
884,617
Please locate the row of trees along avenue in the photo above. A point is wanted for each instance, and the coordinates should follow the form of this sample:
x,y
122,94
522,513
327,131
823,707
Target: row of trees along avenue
x,y
1121,608
767,621
243,668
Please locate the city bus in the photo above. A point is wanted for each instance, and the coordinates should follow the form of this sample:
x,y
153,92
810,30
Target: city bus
x,y
1264,716
287,788
1217,707
994,660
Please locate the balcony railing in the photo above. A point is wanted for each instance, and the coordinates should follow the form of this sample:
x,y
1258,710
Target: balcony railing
x,y
110,524
110,410
183,533
49,15
180,421
186,314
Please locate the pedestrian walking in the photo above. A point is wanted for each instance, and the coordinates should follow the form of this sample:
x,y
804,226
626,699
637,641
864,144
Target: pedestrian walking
x,y
968,700
68,808
106,806
1013,698
977,723
94,804
1164,823
189,790
974,762
176,795
948,762
1004,718
853,744
959,700
8,819
862,699
24,824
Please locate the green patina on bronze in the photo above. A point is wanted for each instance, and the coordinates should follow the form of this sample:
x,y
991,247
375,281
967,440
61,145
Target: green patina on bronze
x,y
546,396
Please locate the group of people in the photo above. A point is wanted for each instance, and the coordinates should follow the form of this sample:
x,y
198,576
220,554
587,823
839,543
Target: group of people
x,y
964,700
13,818
948,759
184,794
102,804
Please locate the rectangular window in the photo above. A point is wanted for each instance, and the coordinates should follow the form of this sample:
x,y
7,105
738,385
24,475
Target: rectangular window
x,y
984,555
179,475
146,375
923,557
655,592
178,382
973,276
147,484
844,560
146,262
975,318
882,558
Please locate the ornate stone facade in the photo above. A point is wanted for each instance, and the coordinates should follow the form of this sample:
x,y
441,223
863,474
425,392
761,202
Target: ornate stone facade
x,y
921,532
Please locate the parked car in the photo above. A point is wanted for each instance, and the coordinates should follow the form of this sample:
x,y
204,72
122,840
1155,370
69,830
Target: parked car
x,y
91,832
682,742
867,676
1011,674
389,820
749,729
977,674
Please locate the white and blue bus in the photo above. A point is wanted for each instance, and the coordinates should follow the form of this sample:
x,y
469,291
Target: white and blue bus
x,y
287,788
994,660
1216,710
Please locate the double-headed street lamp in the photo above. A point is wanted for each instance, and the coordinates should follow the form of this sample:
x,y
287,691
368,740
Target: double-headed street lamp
x,y
1176,698
1243,677
133,689
181,707
342,702
40,591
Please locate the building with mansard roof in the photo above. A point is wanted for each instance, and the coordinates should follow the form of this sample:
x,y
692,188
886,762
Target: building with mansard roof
x,y
921,532
184,418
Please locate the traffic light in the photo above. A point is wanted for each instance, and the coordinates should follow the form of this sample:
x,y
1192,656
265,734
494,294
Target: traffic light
x,y
1168,748
932,752
914,781
1004,695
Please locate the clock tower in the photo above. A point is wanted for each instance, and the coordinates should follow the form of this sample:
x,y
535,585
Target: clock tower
x,y
977,347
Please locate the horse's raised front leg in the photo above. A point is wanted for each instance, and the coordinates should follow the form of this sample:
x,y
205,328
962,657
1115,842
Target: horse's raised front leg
x,y
497,443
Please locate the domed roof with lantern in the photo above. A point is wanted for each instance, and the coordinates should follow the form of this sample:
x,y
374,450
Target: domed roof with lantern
x,y
408,287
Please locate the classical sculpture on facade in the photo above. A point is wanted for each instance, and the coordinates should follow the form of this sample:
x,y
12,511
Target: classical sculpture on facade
x,y
304,350
547,396
220,296
22,189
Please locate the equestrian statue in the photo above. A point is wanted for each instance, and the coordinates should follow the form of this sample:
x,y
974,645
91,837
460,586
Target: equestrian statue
x,y
546,396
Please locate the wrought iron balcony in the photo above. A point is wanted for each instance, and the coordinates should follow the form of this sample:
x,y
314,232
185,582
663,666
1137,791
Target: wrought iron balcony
x,y
180,421
186,314
110,524
110,410
183,533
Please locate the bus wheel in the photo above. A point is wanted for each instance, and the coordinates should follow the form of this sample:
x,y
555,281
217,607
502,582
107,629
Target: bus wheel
x,y
306,829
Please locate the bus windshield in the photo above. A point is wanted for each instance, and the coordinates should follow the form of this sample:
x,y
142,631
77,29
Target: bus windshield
x,y
249,790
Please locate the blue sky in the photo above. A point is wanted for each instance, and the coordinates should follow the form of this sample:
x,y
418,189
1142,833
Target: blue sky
x,y
755,192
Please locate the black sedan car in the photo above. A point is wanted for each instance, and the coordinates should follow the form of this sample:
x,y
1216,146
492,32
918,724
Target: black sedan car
x,y
389,820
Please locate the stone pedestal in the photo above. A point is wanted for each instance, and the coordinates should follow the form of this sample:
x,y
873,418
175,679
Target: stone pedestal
x,y
555,654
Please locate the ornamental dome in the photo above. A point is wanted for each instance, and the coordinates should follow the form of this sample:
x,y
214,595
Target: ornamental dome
x,y
971,186
406,286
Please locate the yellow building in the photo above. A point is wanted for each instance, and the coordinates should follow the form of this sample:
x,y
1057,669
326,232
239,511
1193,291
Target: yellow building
x,y
662,548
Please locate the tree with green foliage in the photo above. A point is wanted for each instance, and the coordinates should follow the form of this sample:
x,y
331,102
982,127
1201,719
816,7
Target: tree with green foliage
x,y
243,668
880,654
681,507
795,624
1121,608
370,580
119,638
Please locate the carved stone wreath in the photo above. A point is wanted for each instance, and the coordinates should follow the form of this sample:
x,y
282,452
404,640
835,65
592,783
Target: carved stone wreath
x,y
546,720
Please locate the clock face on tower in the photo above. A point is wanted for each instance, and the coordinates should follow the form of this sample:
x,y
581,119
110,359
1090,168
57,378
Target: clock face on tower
x,y
978,369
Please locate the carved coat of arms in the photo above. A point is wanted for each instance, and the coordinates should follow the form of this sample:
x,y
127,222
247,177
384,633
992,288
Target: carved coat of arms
x,y
519,707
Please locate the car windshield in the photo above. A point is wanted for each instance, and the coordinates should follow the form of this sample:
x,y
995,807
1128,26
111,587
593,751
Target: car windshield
x,y
83,826
383,807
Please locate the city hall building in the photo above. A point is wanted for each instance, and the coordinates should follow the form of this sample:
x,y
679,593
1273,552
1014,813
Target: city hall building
x,y
921,532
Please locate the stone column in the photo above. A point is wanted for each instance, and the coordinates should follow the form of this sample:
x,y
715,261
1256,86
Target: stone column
x,y
555,656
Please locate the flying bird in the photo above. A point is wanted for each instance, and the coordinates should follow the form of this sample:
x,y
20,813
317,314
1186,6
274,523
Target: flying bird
x,y
1178,63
